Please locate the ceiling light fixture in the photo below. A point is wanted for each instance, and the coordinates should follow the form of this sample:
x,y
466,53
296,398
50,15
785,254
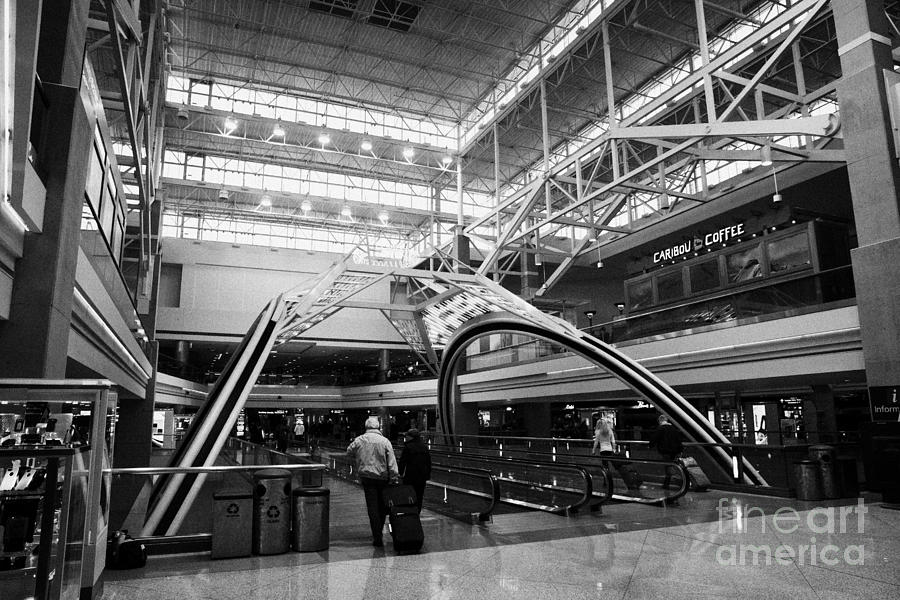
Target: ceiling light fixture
x,y
278,131
366,146
265,201
346,212
324,139
408,153
306,206
447,161
383,217
230,125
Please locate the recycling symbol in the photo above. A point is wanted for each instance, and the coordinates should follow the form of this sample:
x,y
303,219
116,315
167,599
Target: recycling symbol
x,y
273,512
232,508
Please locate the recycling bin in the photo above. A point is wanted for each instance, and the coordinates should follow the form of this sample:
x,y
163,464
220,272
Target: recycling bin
x,y
271,511
232,523
807,479
310,519
826,457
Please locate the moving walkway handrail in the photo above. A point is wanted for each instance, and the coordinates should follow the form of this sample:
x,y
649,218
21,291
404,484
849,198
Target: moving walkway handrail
x,y
681,491
586,497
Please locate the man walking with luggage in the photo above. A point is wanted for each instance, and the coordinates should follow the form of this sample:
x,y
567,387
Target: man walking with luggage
x,y
667,442
415,464
376,467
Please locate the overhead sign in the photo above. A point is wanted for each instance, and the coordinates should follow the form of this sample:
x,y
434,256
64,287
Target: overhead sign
x,y
885,403
709,239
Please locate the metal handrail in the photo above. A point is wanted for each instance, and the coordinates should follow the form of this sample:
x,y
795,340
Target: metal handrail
x,y
211,469
587,495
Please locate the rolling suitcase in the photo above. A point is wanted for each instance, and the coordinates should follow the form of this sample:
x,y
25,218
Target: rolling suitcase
x,y
403,518
698,480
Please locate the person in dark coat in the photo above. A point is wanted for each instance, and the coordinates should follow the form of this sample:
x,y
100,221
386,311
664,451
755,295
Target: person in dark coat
x,y
667,442
415,464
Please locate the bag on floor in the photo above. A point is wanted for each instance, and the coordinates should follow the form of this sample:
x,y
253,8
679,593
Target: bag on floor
x,y
125,552
403,518
697,479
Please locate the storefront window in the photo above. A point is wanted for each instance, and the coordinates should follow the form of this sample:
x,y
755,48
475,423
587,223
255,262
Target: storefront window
x,y
704,276
743,265
640,294
670,286
788,253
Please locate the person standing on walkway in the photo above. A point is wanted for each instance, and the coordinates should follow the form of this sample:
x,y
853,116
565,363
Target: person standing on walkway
x,y
604,439
667,442
376,467
415,464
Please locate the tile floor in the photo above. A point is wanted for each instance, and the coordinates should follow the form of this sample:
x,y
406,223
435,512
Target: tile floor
x,y
714,545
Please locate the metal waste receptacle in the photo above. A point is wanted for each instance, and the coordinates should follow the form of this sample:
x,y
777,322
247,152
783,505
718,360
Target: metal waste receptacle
x,y
310,522
271,511
826,457
232,523
807,478
847,478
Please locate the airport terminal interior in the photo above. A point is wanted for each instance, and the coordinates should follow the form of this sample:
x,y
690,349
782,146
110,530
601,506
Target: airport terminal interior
x,y
624,269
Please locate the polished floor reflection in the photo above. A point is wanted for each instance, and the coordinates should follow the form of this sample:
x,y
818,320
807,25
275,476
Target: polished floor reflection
x,y
713,545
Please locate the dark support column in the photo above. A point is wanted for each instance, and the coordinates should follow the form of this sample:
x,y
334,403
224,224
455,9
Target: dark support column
x,y
864,47
134,429
384,363
819,415
461,250
536,417
41,307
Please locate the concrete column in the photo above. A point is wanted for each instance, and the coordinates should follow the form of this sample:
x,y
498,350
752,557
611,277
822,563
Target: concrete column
x,y
819,417
384,363
536,417
134,430
865,52
41,307
773,423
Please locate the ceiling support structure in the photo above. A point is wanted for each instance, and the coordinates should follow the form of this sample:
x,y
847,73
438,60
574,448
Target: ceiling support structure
x,y
645,158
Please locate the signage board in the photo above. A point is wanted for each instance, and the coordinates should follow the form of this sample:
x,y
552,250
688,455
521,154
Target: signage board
x,y
720,236
884,402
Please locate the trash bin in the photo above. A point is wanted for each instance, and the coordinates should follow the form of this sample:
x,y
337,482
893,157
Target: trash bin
x,y
271,511
232,523
310,519
847,479
826,457
807,478
311,479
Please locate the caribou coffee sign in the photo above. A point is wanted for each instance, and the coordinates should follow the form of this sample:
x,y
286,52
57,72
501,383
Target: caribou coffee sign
x,y
714,237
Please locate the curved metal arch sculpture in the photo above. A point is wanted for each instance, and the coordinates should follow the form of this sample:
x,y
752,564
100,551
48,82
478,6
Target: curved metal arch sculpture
x,y
436,310
682,414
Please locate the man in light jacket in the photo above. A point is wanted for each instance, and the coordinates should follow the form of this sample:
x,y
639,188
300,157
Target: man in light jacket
x,y
376,467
